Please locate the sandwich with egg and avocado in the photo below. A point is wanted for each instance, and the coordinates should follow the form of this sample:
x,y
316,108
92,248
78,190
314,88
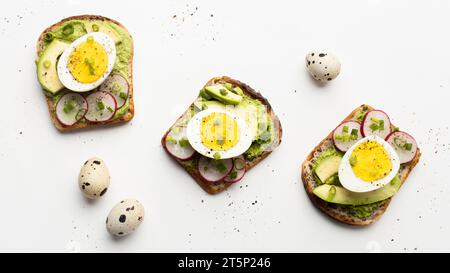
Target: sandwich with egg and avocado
x,y
355,171
225,132
84,65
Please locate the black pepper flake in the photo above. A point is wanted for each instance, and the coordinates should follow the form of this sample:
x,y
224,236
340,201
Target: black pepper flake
x,y
103,191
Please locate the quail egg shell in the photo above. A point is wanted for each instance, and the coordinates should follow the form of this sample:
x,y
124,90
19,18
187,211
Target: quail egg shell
x,y
125,217
94,178
323,66
87,62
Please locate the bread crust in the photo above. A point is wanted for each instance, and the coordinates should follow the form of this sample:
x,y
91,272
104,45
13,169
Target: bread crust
x,y
87,124
332,210
214,188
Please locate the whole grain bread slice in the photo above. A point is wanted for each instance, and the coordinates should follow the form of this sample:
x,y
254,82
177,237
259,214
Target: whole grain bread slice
x,y
340,212
51,105
218,187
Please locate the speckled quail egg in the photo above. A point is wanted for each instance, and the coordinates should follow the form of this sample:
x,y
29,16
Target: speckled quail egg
x,y
125,217
323,66
94,178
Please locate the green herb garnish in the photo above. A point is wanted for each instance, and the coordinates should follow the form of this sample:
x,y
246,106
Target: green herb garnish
x,y
183,142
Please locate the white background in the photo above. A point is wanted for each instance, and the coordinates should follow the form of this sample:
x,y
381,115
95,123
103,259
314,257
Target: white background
x,y
395,56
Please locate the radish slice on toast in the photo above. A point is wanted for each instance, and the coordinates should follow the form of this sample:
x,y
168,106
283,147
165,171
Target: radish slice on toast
x,y
102,106
346,134
404,144
376,122
214,170
238,171
177,143
71,108
118,86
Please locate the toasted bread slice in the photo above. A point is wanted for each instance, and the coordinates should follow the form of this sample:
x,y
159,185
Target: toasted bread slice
x,y
217,187
86,124
341,212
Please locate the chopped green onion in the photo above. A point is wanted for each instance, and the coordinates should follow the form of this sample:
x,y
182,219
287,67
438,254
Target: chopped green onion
x,y
100,105
354,132
381,125
396,129
352,160
176,130
220,141
123,95
331,192
110,109
221,167
116,88
408,146
90,64
223,92
95,28
183,142
373,127
90,39
228,86
345,138
216,156
69,106
375,120
345,129
47,63
233,174
171,140
338,137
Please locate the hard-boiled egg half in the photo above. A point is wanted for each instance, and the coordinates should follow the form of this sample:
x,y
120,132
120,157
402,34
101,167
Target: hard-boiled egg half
x,y
87,62
368,165
218,134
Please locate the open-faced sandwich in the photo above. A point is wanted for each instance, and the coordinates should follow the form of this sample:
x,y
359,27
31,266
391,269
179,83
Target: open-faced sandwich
x,y
84,65
354,172
225,132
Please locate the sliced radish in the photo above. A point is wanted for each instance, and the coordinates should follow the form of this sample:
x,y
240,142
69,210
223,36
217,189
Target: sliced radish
x,y
376,122
238,170
214,170
346,134
102,106
118,86
178,145
404,144
71,108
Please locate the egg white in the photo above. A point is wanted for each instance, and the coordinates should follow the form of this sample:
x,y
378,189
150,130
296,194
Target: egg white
x,y
353,183
66,77
193,133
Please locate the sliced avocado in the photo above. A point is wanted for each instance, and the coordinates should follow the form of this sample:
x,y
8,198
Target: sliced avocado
x,y
340,195
99,26
213,105
327,165
221,93
46,66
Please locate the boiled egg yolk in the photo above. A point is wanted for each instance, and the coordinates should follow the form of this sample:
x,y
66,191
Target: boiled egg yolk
x,y
219,131
88,61
370,161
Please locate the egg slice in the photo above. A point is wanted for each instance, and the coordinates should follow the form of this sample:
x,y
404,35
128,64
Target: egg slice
x,y
368,165
218,134
87,62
